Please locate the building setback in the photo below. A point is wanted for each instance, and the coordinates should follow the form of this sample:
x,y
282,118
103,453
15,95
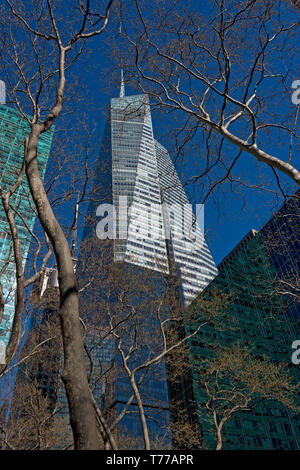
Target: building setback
x,y
263,319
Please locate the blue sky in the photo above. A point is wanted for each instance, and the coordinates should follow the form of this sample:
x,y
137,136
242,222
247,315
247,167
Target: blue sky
x,y
229,212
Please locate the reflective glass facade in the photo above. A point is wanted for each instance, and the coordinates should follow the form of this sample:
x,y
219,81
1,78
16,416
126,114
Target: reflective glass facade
x,y
13,130
190,253
142,170
263,320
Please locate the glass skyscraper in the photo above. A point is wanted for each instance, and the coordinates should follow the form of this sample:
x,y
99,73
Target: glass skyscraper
x,y
154,232
13,131
160,223
262,319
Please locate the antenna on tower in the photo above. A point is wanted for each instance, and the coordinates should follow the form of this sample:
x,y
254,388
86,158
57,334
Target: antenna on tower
x,y
2,92
122,87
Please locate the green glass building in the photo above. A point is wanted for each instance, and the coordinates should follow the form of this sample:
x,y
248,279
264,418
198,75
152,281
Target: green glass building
x,y
260,318
13,130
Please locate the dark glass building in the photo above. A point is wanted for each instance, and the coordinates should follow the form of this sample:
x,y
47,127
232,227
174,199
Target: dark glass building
x,y
260,276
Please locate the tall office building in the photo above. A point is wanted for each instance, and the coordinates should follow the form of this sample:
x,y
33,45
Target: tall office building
x,y
13,130
155,235
159,228
158,237
260,318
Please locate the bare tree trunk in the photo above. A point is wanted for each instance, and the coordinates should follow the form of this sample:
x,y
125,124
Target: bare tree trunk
x,y
141,412
19,296
219,439
82,415
219,427
108,438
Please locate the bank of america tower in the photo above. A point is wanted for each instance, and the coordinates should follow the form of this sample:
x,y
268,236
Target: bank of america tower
x,y
160,226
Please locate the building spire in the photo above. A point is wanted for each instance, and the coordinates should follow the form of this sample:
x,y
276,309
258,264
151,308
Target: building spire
x,y
122,87
2,92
